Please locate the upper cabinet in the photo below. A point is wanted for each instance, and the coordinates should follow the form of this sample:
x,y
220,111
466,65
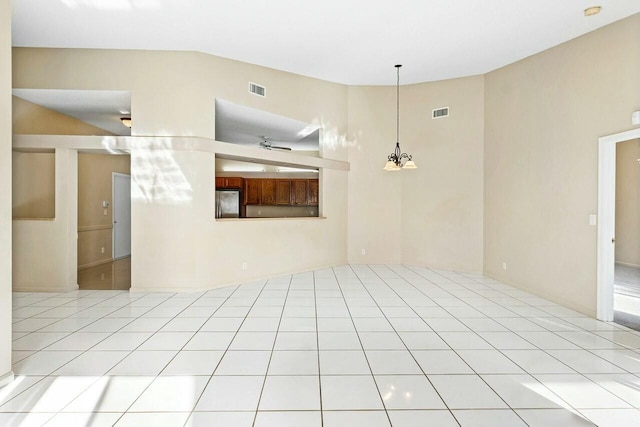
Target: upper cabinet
x,y
231,183
252,191
299,193
282,192
268,192
234,182
313,192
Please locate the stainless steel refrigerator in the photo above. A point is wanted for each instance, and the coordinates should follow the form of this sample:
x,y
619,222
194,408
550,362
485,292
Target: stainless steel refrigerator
x,y
227,203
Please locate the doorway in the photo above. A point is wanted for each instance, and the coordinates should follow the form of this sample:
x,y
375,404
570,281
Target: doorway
x,y
104,221
626,283
616,300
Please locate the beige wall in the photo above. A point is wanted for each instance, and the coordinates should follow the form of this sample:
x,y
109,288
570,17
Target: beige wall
x,y
45,252
176,242
431,216
628,203
543,117
5,191
95,185
30,118
375,196
33,185
442,200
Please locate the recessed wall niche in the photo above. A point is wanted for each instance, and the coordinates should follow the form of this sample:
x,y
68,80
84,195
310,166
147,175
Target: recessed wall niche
x,y
237,124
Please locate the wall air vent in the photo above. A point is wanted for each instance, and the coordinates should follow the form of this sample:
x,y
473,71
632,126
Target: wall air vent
x,y
439,113
256,89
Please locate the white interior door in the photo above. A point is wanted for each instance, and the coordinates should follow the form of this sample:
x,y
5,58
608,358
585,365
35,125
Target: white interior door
x,y
121,215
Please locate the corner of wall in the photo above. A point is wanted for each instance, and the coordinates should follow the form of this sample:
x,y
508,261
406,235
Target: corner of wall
x,y
5,192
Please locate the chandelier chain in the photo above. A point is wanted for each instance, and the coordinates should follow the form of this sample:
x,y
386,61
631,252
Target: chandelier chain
x,y
398,105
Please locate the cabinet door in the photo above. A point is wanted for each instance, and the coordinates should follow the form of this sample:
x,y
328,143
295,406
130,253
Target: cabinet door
x,y
268,192
220,182
298,191
283,192
314,191
252,191
234,182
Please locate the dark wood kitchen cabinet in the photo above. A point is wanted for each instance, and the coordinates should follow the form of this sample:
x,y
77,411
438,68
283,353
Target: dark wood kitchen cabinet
x,y
252,191
268,192
283,192
313,192
299,191
232,183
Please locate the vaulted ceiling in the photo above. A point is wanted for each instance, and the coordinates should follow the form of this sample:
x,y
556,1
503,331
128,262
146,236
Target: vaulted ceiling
x,y
347,41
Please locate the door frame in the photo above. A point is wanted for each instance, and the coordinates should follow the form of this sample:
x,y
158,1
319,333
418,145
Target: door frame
x,y
607,219
113,211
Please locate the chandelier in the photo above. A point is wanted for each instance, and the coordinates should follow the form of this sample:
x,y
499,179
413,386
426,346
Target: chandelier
x,y
398,160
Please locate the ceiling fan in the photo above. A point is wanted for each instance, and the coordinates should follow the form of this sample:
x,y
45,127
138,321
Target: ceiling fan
x,y
266,144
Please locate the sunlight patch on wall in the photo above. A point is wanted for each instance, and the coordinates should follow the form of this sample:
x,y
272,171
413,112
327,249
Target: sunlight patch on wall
x,y
156,177
331,140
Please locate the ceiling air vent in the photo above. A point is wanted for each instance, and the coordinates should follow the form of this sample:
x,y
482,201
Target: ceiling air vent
x,y
256,89
439,113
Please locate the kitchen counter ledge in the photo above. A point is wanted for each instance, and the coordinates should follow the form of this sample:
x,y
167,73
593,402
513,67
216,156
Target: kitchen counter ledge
x,y
305,218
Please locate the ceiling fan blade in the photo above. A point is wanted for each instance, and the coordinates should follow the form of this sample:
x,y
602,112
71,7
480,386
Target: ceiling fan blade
x,y
267,146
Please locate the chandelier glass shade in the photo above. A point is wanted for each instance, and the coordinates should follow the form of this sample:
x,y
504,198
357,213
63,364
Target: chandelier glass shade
x,y
126,121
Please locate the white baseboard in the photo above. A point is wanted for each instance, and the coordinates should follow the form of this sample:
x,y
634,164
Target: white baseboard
x,y
627,264
6,379
533,291
57,289
138,288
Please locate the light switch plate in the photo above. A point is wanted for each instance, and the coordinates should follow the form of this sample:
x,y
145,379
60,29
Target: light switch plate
x,y
593,219
635,118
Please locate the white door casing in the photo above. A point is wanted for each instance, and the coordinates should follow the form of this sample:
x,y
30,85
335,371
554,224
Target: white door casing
x,y
121,198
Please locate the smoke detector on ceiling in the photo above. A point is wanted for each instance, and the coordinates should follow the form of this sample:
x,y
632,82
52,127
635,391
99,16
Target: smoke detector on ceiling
x,y
593,10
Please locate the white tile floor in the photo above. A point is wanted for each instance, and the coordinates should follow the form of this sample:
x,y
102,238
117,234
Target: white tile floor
x,y
354,345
